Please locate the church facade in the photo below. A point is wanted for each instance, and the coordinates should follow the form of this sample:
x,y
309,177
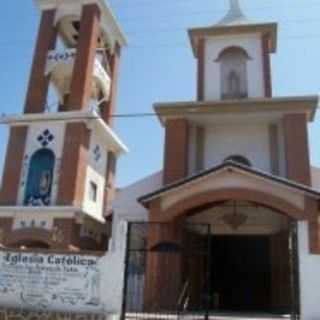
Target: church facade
x,y
229,229
230,226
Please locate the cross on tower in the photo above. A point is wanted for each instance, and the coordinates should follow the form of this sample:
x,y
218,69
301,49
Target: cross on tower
x,y
234,5
234,13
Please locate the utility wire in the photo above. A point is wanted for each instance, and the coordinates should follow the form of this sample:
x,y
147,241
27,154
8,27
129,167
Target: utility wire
x,y
192,112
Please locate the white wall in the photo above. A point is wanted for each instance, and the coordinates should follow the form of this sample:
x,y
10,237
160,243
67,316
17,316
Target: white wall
x,y
96,173
125,204
32,145
248,140
68,286
309,276
251,43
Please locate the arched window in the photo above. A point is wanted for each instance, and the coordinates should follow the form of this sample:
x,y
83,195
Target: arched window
x,y
238,159
39,182
233,62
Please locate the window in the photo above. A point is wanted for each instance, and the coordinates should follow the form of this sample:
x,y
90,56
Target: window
x,y
233,62
238,159
93,191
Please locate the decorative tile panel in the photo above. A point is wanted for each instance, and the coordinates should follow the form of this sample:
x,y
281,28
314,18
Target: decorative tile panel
x,y
45,138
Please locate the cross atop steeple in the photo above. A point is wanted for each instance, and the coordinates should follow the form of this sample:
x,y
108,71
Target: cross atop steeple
x,y
234,5
234,15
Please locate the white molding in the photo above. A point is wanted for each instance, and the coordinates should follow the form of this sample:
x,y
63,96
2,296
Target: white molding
x,y
52,211
63,212
91,118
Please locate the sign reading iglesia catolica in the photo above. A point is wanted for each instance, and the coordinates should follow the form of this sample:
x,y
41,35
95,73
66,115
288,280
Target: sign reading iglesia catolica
x,y
41,281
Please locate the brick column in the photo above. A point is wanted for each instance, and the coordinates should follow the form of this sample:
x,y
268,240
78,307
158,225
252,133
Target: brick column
x,y
108,107
297,148
201,70
81,82
163,275
13,166
176,150
312,210
39,83
266,67
110,182
73,165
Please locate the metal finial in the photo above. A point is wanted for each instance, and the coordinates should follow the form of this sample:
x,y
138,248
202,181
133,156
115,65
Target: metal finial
x,y
234,5
234,14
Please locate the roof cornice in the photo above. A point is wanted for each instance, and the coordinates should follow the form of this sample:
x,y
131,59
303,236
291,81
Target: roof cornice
x,y
297,104
229,166
265,29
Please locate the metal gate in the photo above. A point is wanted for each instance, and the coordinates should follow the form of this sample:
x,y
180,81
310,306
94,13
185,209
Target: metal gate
x,y
167,270
294,274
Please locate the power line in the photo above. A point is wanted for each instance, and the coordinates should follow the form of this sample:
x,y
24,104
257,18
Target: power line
x,y
118,116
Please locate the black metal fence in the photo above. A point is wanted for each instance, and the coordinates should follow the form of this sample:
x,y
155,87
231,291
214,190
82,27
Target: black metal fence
x,y
168,272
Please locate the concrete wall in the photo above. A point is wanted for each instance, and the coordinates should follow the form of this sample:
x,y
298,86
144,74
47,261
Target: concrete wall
x,y
251,43
126,206
55,282
248,140
309,277
96,173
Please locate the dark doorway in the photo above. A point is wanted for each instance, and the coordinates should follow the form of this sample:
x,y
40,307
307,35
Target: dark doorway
x,y
241,273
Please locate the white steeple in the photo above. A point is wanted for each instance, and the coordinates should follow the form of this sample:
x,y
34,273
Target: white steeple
x,y
234,16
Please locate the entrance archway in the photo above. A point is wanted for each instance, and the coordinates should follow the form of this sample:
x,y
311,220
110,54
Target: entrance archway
x,y
273,283
251,262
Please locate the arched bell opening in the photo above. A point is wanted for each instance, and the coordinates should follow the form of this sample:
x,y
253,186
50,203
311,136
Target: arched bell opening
x,y
233,70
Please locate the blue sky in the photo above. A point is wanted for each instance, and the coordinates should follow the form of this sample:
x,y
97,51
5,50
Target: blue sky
x,y
158,65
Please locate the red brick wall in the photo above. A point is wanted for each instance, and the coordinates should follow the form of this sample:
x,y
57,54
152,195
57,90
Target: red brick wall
x,y
70,231
73,164
84,63
5,227
312,208
266,66
297,148
13,166
38,84
201,70
176,150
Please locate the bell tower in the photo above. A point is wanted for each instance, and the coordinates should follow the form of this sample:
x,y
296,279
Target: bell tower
x,y
59,171
233,57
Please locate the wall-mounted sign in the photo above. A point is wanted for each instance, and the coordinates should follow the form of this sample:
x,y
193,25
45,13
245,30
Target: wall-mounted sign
x,y
44,281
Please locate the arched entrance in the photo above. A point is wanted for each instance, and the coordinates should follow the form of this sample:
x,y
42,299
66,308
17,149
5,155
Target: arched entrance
x,y
251,257
243,260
